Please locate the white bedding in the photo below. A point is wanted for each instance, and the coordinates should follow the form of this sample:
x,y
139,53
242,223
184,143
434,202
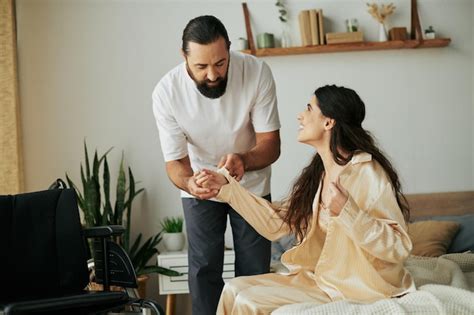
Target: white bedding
x,y
445,286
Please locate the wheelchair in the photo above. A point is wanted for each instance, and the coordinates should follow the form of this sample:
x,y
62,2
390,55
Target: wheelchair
x,y
45,260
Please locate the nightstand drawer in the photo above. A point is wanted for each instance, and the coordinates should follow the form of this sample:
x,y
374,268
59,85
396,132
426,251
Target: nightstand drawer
x,y
179,261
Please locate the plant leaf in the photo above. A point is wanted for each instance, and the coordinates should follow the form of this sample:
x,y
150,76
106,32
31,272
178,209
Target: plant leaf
x,y
128,207
88,173
135,245
146,252
120,194
157,269
107,216
72,185
95,166
105,154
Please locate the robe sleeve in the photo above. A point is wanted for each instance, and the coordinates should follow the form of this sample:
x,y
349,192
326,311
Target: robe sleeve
x,y
265,217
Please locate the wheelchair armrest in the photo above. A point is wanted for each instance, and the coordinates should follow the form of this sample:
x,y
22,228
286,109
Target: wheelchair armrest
x,y
103,231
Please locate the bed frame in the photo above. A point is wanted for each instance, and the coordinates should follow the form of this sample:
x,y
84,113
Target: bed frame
x,y
446,203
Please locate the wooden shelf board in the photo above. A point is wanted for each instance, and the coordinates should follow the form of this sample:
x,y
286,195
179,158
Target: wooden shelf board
x,y
362,46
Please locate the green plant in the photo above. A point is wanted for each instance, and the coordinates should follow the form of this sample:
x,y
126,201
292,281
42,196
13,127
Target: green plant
x,y
97,208
282,10
172,225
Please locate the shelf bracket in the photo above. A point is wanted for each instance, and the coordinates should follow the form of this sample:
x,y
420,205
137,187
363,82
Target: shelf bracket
x,y
248,28
415,30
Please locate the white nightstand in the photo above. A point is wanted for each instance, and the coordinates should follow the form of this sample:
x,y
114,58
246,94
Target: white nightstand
x,y
179,285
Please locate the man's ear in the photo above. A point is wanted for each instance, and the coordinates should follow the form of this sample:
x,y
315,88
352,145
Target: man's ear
x,y
329,123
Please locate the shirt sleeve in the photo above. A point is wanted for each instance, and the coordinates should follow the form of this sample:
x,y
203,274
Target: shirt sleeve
x,y
380,230
173,139
264,113
262,215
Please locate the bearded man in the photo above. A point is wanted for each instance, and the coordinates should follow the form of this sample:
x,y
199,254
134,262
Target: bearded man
x,y
218,108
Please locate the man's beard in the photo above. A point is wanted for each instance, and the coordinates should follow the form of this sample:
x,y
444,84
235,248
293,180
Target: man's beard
x,y
214,91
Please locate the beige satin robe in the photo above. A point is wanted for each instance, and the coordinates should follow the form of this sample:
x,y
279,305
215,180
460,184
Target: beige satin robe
x,y
359,258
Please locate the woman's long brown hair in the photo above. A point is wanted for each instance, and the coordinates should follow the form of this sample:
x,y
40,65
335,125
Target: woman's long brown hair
x,y
348,110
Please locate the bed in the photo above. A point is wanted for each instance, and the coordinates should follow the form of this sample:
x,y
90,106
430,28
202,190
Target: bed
x,y
442,262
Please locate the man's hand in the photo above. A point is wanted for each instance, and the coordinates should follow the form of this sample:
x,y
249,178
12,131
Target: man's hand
x,y
234,163
200,192
338,197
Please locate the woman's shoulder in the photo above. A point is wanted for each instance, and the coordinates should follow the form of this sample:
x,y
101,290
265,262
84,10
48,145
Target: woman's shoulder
x,y
366,181
368,170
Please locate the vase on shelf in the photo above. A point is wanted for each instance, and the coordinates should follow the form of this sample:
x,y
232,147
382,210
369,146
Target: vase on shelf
x,y
285,36
382,33
242,44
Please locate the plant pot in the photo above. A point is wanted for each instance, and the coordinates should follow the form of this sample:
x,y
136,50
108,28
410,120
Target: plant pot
x,y
142,281
265,40
173,241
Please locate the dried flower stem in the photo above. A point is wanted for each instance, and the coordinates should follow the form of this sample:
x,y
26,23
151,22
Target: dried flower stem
x,y
380,13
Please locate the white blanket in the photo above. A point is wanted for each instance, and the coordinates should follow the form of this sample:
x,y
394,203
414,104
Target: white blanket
x,y
445,286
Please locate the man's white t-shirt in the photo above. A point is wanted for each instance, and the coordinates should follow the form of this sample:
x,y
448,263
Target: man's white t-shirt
x,y
207,129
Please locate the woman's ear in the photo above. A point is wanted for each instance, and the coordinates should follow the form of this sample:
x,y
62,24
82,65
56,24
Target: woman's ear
x,y
329,124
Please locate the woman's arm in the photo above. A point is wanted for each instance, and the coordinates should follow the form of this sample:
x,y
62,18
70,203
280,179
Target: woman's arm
x,y
380,230
264,216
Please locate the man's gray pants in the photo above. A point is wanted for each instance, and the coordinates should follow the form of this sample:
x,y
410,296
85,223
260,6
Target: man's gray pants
x,y
205,226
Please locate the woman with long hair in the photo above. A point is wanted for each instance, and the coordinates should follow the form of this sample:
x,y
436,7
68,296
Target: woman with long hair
x,y
346,209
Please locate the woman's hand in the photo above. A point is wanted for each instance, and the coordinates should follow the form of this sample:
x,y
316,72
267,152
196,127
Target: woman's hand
x,y
234,163
338,196
210,179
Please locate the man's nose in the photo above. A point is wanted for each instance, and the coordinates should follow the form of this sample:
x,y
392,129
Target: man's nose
x,y
212,75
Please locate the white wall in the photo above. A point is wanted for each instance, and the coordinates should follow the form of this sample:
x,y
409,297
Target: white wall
x,y
88,67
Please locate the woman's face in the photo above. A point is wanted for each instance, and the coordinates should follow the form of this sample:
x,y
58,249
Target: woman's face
x,y
313,124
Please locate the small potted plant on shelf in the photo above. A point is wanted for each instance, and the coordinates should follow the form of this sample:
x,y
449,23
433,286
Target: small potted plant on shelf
x,y
173,236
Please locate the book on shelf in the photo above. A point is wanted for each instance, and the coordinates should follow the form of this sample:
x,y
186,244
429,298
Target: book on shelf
x,y
314,24
305,28
321,26
311,24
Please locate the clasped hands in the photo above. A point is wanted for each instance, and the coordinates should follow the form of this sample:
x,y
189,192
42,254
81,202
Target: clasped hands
x,y
206,184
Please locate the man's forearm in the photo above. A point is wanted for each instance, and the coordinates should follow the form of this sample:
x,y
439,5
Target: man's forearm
x,y
263,154
179,172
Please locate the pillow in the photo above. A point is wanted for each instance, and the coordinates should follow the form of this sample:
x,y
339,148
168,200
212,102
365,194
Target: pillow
x,y
432,238
464,239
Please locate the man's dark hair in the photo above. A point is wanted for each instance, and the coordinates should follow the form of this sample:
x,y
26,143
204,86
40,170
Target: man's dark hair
x,y
204,30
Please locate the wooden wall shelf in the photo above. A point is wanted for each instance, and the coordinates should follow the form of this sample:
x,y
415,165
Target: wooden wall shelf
x,y
363,46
